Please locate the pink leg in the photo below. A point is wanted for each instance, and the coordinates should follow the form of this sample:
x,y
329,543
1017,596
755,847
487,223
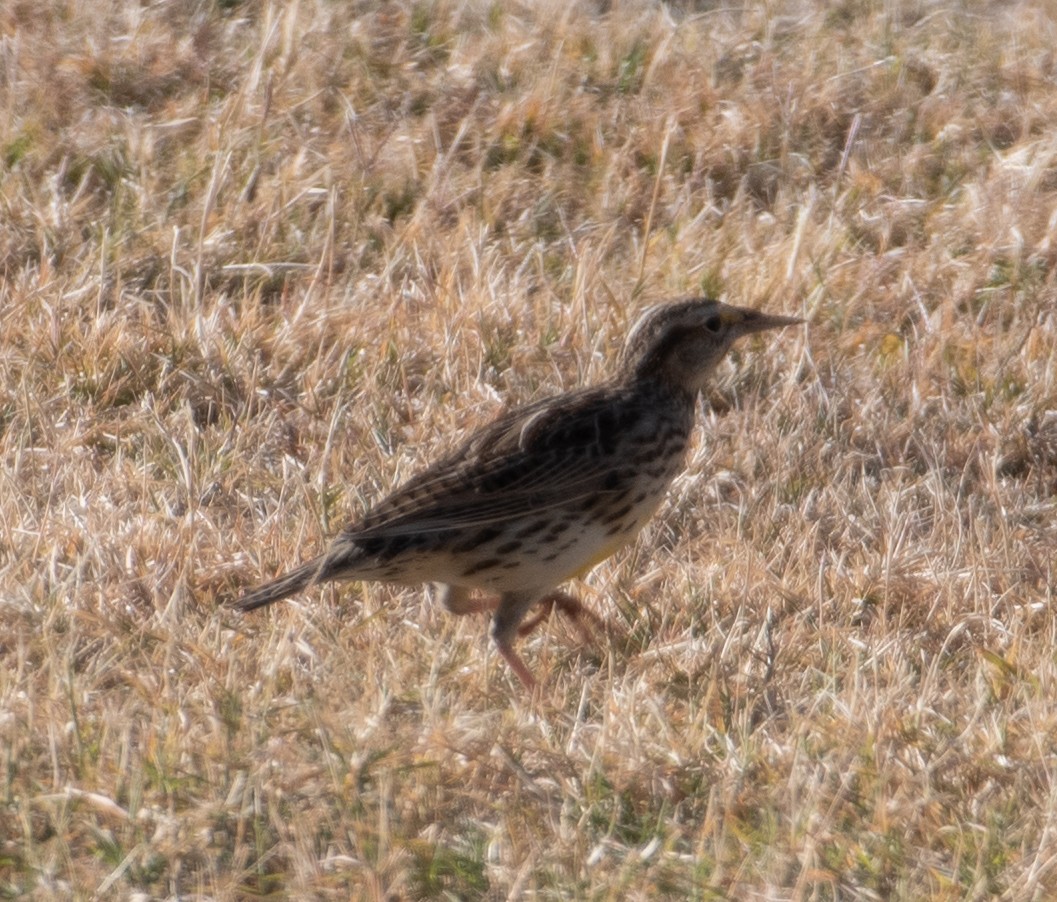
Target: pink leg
x,y
584,619
460,601
509,613
513,659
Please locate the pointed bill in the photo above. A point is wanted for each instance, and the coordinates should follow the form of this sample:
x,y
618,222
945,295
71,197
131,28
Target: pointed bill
x,y
758,321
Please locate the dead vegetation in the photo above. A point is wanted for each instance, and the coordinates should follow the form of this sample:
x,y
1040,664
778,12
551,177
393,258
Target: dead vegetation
x,y
262,261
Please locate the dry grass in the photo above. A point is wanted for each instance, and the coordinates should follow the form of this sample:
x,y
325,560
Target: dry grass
x,y
261,262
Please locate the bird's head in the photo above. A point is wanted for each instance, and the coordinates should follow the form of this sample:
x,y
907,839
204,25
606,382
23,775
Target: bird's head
x,y
682,343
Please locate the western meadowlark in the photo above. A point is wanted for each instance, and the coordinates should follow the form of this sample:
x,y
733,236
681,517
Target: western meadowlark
x,y
545,491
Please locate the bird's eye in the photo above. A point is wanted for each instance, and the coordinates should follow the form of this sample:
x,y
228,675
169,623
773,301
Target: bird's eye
x,y
713,323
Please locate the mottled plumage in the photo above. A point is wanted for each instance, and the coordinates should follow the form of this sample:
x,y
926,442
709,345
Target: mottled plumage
x,y
545,491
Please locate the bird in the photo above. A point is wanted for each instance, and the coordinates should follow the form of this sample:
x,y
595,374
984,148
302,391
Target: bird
x,y
545,491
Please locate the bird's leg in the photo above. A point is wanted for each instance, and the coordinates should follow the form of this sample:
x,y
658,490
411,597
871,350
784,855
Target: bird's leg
x,y
508,618
458,600
508,615
546,605
584,619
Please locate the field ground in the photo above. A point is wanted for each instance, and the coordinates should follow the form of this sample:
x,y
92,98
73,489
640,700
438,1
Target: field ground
x,y
261,262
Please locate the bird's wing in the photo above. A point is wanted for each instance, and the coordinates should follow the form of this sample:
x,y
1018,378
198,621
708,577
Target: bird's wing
x,y
540,457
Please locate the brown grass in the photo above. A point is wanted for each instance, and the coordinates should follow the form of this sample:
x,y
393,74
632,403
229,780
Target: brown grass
x,y
262,262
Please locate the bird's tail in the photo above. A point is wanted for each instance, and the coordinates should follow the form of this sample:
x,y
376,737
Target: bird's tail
x,y
283,587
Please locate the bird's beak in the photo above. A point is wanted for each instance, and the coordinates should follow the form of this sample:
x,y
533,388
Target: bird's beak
x,y
757,321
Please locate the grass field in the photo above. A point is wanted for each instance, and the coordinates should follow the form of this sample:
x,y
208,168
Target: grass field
x,y
262,262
